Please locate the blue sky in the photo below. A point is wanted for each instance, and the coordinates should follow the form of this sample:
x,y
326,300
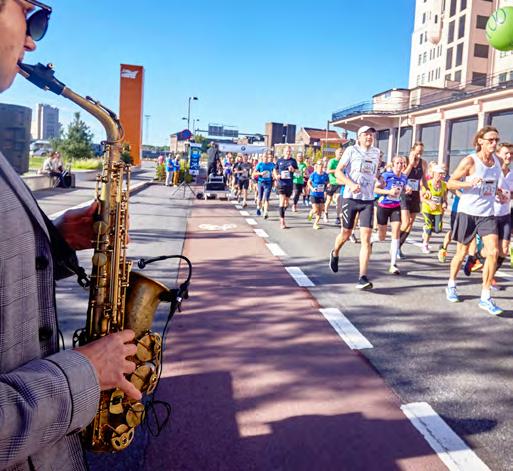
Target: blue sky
x,y
247,62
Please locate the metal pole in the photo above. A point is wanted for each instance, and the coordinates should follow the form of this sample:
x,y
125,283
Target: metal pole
x,y
189,114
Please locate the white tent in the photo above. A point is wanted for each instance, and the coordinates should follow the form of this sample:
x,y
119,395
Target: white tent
x,y
243,148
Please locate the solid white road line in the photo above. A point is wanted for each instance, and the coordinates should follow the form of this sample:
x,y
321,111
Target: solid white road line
x,y
244,213
251,222
276,250
261,233
234,202
347,331
298,275
450,448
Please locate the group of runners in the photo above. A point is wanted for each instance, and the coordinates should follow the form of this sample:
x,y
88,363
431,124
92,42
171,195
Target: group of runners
x,y
383,199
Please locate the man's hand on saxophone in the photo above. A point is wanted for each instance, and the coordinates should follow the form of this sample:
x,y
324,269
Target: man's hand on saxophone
x,y
109,355
76,226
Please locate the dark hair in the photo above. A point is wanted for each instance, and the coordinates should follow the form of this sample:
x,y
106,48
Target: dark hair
x,y
504,144
480,134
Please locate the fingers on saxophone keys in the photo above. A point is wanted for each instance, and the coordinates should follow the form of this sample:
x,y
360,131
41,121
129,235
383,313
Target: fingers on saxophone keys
x,y
126,335
129,367
130,349
130,390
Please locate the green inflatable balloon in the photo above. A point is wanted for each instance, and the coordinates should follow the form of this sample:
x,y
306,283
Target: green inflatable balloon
x,y
499,29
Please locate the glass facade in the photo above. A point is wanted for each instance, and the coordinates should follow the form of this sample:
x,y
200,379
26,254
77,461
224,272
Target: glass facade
x,y
404,141
429,134
503,121
461,132
382,141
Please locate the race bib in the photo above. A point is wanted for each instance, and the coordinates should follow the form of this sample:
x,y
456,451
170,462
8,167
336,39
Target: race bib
x,y
368,167
285,174
398,197
266,174
297,174
436,199
319,189
245,173
413,184
488,187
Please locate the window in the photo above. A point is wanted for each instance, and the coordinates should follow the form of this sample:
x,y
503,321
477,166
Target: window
x,y
420,59
511,75
457,76
503,77
478,78
450,36
422,79
447,77
463,5
461,27
452,11
481,50
424,57
418,80
421,38
423,18
459,55
448,60
481,22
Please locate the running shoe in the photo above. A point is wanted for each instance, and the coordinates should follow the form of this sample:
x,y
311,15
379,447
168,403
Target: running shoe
x,y
333,262
283,225
244,204
425,248
266,215
490,306
363,283
258,212
394,270
478,264
337,221
325,218
452,294
469,263
309,217
316,226
400,255
442,255
294,210
353,239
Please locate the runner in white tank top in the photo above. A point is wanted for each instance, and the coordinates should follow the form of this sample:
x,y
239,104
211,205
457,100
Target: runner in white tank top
x,y
479,175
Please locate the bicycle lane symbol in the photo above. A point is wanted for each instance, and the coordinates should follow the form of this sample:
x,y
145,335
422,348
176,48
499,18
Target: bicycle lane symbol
x,y
214,227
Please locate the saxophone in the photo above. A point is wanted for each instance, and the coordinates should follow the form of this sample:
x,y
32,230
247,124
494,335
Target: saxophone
x,y
119,298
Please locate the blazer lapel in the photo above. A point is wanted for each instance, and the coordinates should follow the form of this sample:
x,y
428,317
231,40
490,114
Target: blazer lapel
x,y
23,192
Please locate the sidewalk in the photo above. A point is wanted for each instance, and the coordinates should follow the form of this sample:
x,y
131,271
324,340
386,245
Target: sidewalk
x,y
256,377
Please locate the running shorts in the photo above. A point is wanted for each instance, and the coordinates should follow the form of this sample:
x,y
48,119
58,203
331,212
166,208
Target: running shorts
x,y
332,189
504,226
285,190
352,207
453,219
411,203
317,199
432,223
384,214
243,184
264,190
466,227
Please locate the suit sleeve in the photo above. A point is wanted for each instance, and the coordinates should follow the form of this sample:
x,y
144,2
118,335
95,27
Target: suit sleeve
x,y
44,400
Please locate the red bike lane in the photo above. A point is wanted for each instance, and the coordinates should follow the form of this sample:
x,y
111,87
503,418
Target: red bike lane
x,y
256,377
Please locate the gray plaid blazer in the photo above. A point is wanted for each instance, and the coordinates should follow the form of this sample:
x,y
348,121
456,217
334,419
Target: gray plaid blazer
x,y
46,396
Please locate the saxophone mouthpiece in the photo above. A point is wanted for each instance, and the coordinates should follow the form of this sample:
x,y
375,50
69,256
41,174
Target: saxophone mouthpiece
x,y
42,76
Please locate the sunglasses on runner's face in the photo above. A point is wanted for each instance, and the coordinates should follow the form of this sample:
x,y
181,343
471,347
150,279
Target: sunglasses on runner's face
x,y
37,22
491,139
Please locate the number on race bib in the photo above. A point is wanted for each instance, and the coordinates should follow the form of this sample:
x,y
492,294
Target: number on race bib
x,y
367,167
413,184
488,187
319,189
436,199
266,174
285,174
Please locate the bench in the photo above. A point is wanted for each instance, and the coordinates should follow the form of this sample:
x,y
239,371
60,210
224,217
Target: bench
x,y
43,182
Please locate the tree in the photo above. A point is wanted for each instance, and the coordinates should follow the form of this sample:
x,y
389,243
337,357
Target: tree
x,y
76,143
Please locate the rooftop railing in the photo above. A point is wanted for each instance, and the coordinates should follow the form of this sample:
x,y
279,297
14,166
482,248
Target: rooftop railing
x,y
471,89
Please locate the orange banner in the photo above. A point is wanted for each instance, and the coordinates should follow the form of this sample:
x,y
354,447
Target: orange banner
x,y
131,107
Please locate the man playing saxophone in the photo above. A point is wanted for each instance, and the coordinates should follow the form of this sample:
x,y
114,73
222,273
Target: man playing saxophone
x,y
46,396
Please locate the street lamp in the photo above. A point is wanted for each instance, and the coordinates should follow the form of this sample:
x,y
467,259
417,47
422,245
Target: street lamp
x,y
189,110
194,121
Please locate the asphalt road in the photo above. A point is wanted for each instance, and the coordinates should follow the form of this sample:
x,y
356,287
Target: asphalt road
x,y
456,357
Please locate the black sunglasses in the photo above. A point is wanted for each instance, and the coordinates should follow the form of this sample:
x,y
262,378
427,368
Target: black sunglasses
x,y
37,23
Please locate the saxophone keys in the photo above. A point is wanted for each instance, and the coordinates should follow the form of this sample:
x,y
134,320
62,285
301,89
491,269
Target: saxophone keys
x,y
99,259
122,437
140,378
135,415
144,349
152,383
116,402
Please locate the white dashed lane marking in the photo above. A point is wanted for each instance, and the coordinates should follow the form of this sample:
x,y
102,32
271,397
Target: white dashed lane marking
x,y
345,329
244,213
261,233
251,222
276,250
450,448
298,275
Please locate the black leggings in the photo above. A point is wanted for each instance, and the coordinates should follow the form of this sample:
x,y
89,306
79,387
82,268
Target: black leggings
x,y
298,189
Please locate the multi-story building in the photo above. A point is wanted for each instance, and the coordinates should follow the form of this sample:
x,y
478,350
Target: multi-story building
x,y
279,133
46,123
458,84
15,135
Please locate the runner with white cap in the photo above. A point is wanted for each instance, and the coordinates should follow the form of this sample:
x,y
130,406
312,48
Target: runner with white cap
x,y
357,170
